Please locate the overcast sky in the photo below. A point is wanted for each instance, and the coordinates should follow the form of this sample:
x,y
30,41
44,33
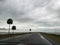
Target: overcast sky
x,y
35,14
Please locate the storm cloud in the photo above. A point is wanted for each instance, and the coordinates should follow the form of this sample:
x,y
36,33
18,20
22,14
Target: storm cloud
x,y
44,13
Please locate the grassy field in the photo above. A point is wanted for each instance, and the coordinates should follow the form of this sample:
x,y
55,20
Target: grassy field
x,y
11,35
54,37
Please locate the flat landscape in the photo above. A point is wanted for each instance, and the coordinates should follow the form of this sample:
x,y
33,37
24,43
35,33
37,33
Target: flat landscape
x,y
10,35
52,36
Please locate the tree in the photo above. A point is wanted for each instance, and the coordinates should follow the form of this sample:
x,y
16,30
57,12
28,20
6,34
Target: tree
x,y
13,28
29,29
9,21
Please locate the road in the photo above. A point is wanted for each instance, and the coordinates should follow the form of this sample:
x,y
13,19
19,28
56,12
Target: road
x,y
27,39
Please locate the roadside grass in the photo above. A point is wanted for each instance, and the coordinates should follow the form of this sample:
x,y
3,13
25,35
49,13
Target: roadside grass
x,y
11,35
54,37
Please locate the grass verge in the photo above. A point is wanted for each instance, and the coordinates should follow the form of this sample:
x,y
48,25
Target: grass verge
x,y
54,37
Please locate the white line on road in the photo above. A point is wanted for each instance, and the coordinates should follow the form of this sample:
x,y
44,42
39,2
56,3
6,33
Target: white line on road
x,y
45,39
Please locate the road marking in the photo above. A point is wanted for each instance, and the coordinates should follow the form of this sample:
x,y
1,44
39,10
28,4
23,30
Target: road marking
x,y
45,39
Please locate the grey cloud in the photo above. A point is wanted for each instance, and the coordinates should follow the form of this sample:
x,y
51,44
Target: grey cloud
x,y
8,11
49,24
58,13
21,14
41,3
53,10
25,20
2,0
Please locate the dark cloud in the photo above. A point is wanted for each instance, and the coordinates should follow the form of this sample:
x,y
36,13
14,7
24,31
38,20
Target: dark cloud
x,y
25,20
8,11
2,0
58,13
41,3
23,11
48,24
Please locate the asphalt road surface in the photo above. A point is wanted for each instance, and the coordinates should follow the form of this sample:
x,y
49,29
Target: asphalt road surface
x,y
27,39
